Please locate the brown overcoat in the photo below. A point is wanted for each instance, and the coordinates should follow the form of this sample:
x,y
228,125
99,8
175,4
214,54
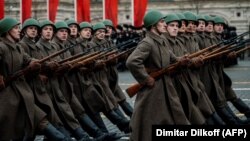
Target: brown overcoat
x,y
17,107
159,104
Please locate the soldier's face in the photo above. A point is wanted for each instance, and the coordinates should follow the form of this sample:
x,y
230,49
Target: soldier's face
x,y
15,32
209,27
161,26
201,26
109,30
31,31
218,28
173,28
190,27
73,30
62,34
47,32
100,34
183,26
85,33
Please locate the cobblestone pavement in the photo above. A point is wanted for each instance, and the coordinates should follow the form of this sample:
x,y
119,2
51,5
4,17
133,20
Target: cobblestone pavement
x,y
240,75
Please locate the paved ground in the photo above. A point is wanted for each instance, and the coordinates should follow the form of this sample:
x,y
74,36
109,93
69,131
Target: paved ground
x,y
240,75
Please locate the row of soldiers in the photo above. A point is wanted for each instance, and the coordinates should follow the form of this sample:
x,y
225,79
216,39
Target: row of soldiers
x,y
57,80
179,68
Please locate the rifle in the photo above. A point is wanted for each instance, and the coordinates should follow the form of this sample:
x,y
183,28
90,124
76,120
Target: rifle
x,y
227,42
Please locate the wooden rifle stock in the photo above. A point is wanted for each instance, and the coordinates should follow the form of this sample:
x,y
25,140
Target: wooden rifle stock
x,y
132,90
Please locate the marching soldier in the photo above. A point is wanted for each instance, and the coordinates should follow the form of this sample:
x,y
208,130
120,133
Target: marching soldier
x,y
157,103
36,81
113,75
100,72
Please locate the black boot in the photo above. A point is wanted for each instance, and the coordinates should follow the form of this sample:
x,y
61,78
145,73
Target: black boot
x,y
119,112
53,134
63,131
121,123
97,131
240,121
241,106
227,116
81,135
99,122
217,119
210,121
128,110
91,127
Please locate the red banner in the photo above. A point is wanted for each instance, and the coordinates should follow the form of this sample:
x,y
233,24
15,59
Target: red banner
x,y
140,7
111,10
53,6
1,9
82,10
26,9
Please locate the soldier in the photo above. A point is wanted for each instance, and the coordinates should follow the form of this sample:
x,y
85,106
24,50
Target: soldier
x,y
100,72
30,30
225,81
74,28
113,75
18,110
158,102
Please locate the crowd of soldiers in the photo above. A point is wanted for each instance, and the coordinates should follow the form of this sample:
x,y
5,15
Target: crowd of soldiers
x,y
179,69
58,79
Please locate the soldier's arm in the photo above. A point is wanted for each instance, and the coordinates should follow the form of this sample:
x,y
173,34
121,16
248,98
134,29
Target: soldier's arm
x,y
135,62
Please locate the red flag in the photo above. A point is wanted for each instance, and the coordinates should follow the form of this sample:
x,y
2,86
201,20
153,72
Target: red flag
x,y
1,9
52,9
82,10
140,7
110,10
26,9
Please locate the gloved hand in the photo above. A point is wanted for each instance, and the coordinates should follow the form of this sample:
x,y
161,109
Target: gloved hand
x,y
99,65
232,55
43,78
53,65
123,57
150,82
184,60
34,66
112,61
2,84
197,62
63,69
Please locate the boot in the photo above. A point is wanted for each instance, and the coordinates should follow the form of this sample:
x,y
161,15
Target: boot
x,y
121,123
210,121
63,131
91,127
128,110
81,135
241,106
217,119
53,134
228,116
242,122
119,112
99,122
